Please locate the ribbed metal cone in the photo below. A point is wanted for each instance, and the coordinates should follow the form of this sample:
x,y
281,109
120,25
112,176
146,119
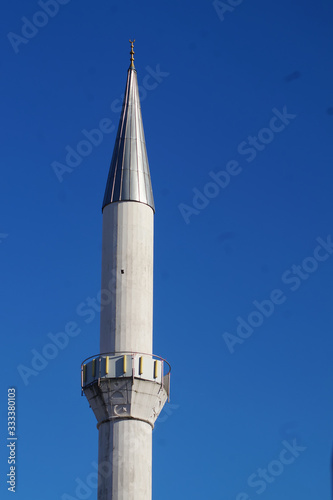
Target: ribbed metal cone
x,y
129,175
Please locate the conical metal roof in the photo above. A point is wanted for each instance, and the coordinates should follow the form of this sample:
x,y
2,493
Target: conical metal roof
x,y
129,175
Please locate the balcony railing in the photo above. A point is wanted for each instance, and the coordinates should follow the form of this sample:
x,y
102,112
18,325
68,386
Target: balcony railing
x,y
134,365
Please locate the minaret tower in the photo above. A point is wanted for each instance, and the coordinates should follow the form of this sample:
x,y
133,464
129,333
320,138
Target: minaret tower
x,y
126,385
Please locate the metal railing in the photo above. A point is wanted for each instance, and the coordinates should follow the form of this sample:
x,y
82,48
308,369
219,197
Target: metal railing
x,y
125,364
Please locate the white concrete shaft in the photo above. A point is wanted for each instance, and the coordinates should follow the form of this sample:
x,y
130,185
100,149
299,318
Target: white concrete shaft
x,y
125,460
127,278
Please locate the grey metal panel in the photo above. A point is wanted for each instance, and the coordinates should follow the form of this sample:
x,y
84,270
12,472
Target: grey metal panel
x,y
134,175
134,156
117,182
132,123
145,163
129,127
129,176
125,189
139,155
117,172
127,154
147,185
142,186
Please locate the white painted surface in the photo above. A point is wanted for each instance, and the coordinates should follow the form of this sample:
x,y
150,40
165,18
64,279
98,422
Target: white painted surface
x,y
127,278
138,399
125,460
126,408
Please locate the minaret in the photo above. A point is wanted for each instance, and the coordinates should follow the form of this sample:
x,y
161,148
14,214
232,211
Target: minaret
x,y
126,385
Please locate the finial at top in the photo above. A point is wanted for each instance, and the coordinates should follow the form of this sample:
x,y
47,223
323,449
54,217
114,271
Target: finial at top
x,y
132,52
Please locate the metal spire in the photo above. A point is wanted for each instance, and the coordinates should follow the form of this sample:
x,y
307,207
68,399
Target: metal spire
x,y
132,52
129,175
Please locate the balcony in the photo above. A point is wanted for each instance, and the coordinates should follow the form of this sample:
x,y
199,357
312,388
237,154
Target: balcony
x,y
125,365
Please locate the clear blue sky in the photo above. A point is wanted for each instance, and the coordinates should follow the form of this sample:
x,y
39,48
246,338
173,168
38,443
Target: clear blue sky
x,y
241,95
